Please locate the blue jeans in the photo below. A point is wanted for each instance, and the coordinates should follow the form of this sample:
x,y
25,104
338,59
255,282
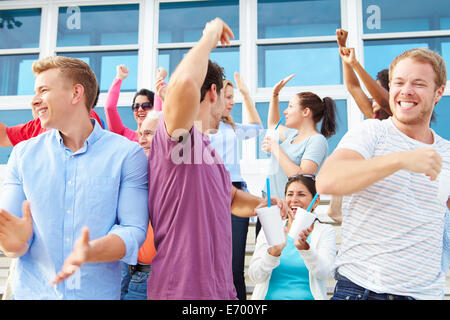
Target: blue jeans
x,y
133,287
347,290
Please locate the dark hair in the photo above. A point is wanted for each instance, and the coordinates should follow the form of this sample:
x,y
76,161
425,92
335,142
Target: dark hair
x,y
306,180
321,109
145,92
214,75
383,77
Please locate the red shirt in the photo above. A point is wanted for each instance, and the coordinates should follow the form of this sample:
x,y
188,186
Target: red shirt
x,y
33,128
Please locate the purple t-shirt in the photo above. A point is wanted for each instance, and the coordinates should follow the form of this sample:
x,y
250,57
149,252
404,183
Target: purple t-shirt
x,y
189,206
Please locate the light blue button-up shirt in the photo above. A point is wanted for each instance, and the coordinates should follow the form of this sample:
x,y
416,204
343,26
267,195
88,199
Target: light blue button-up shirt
x,y
102,186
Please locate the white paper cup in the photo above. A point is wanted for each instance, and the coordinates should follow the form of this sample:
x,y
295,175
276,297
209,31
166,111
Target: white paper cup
x,y
274,134
444,186
303,220
272,225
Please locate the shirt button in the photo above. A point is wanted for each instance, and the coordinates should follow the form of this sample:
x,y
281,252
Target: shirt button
x,y
69,182
68,211
67,239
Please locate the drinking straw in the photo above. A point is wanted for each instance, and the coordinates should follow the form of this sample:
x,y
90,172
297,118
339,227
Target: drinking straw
x,y
268,192
282,118
312,202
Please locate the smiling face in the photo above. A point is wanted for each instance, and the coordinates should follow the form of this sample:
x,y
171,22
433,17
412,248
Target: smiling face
x,y
52,98
413,93
146,133
140,113
298,195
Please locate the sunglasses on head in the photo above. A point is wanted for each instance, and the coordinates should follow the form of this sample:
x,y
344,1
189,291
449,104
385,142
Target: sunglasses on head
x,y
144,106
310,176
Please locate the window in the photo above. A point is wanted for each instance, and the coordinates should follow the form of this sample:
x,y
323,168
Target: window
x,y
378,54
382,16
16,77
442,115
93,34
303,33
291,19
20,28
185,21
98,25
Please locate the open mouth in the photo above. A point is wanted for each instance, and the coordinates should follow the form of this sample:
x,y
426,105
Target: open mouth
x,y
406,105
41,111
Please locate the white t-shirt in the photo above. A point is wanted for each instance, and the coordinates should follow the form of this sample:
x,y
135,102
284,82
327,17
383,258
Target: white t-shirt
x,y
392,231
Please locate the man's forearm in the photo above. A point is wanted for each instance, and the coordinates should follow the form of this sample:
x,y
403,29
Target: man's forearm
x,y
347,176
106,249
243,203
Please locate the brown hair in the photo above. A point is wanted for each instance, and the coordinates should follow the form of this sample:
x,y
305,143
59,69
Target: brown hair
x,y
73,69
214,75
229,119
425,56
321,109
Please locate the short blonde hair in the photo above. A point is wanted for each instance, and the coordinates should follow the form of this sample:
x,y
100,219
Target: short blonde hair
x,y
424,55
76,70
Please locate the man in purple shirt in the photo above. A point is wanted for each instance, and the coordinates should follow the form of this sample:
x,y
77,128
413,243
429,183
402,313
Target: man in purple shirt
x,y
191,195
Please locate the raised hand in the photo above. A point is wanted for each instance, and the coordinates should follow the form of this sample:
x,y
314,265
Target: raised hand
x,y
341,35
219,31
348,55
122,72
160,85
280,85
240,84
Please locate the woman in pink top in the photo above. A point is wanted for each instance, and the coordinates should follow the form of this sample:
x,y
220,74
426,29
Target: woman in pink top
x,y
143,101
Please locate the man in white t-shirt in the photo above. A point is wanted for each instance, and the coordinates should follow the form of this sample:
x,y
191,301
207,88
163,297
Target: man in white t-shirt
x,y
389,172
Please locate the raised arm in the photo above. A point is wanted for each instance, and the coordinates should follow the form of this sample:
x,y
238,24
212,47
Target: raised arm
x,y
253,116
352,83
274,109
113,119
182,102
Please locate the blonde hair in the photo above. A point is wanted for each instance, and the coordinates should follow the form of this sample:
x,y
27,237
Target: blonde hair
x,y
424,55
73,69
229,119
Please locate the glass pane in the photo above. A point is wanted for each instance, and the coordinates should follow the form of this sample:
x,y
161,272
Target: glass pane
x,y
16,77
98,25
442,115
288,18
341,121
104,66
12,118
382,16
312,63
20,28
378,54
185,21
228,58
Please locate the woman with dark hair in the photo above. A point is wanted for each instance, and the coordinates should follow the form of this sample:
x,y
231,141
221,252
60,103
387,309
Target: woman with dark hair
x,y
144,100
297,269
301,148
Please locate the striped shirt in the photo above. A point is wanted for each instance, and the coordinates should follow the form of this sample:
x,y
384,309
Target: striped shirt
x,y
392,231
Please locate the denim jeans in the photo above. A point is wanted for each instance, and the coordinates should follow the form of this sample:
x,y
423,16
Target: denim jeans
x,y
347,290
133,287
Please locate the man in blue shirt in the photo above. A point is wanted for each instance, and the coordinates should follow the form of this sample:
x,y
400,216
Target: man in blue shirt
x,y
74,182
